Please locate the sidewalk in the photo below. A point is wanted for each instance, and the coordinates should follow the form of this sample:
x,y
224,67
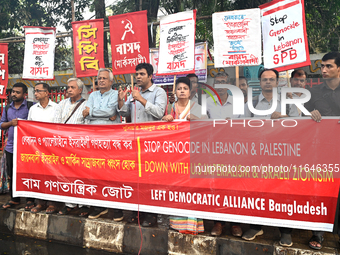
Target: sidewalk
x,y
121,237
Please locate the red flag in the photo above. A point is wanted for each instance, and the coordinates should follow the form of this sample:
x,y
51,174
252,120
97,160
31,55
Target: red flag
x,y
129,41
88,46
3,69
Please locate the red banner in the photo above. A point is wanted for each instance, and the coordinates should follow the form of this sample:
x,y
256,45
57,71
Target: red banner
x,y
3,69
283,173
129,41
88,46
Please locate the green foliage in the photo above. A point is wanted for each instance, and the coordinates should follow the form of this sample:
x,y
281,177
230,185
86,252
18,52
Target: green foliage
x,y
323,25
16,14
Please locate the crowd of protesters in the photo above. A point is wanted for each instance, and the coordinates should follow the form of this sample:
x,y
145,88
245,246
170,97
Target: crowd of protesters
x,y
151,103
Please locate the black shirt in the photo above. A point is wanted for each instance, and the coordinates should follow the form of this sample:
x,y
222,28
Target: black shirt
x,y
325,100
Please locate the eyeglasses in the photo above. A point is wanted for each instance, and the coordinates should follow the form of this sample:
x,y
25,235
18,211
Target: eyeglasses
x,y
220,82
39,90
102,78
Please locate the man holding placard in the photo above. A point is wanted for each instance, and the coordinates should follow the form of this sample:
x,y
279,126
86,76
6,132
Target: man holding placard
x,y
325,101
101,108
143,106
325,98
269,79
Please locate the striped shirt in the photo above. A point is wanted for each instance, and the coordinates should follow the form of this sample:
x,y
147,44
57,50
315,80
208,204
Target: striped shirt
x,y
64,110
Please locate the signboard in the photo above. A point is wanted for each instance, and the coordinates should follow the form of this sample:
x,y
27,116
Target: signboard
x,y
177,43
39,53
284,35
88,46
200,66
237,38
3,69
129,41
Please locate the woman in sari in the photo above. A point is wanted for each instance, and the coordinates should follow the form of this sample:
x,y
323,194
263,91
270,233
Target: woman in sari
x,y
184,109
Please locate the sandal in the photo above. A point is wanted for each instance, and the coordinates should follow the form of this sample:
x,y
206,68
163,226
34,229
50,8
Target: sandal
x,y
9,204
286,240
51,209
84,211
318,240
37,208
66,210
29,205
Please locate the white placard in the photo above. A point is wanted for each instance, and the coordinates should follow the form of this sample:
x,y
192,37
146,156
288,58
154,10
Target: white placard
x,y
237,38
177,43
284,38
39,53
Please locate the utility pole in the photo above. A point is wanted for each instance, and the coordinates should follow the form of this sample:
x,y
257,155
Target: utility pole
x,y
73,19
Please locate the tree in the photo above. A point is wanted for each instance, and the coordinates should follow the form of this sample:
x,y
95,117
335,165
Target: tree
x,y
323,25
15,14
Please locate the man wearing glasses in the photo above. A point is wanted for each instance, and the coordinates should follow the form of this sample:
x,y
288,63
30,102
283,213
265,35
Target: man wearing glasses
x,y
101,108
216,110
42,111
269,79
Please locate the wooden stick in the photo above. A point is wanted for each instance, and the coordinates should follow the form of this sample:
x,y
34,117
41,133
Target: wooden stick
x,y
287,77
174,86
237,75
132,81
93,84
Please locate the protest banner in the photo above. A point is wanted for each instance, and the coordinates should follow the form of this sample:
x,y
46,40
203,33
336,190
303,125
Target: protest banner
x,y
3,69
39,53
129,41
200,66
88,46
177,43
286,177
285,44
237,38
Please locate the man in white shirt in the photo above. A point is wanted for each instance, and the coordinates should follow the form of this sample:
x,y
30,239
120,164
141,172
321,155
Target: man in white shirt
x,y
214,108
269,79
70,111
225,111
298,80
42,111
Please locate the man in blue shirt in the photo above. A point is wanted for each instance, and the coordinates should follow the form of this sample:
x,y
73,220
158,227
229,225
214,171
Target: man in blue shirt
x,y
101,108
18,109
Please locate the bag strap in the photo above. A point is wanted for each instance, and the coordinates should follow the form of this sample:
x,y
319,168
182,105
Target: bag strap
x,y
77,106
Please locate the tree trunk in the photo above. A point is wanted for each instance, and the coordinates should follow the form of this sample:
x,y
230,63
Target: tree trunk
x,y
99,6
